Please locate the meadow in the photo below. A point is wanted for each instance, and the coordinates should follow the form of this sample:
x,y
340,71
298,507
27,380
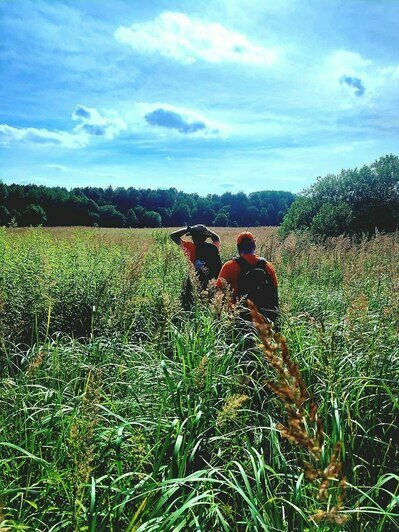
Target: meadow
x,y
120,410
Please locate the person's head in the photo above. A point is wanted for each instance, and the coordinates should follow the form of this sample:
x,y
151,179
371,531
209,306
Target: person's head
x,y
198,238
198,233
246,243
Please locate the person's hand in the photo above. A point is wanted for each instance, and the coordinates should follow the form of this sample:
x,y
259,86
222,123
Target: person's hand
x,y
206,231
199,228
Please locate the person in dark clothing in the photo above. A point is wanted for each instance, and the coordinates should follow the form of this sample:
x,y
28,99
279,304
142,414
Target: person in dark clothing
x,y
202,254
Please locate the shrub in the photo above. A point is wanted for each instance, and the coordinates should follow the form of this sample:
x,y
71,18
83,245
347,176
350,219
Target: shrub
x,y
331,220
354,201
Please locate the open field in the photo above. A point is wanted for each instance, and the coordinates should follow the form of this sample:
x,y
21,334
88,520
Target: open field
x,y
121,411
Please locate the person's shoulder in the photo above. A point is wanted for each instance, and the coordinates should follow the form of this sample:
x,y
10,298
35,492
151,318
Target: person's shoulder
x,y
267,263
231,264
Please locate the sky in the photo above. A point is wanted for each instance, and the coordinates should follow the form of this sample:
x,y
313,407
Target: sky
x,y
206,96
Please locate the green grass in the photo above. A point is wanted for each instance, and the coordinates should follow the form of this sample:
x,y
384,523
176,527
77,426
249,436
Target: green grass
x,y
117,407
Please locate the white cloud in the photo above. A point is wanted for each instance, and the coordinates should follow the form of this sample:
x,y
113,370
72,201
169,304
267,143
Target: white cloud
x,y
94,123
58,167
343,149
179,37
9,134
351,146
356,80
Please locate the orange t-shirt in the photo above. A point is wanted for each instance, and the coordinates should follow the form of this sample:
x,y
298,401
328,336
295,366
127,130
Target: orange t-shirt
x,y
189,249
231,270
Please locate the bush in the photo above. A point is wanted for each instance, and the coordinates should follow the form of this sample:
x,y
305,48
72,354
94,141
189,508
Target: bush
x,y
131,219
151,219
355,201
298,216
221,220
110,217
331,220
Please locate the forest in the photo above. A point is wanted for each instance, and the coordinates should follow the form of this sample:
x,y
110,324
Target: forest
x,y
355,201
33,205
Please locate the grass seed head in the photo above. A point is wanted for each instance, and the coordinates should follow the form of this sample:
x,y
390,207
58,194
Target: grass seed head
x,y
230,409
291,389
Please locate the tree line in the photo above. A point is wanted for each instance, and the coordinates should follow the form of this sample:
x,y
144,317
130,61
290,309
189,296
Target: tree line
x,y
26,205
358,200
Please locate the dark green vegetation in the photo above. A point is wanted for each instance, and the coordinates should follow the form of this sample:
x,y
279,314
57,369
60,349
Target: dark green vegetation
x,y
26,205
120,411
352,202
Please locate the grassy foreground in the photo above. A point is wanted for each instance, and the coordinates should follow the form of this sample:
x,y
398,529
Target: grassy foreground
x,y
121,411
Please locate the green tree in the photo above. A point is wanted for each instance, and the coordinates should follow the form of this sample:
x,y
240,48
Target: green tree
x,y
140,213
15,218
354,201
252,215
271,214
110,217
299,215
331,220
263,216
33,215
94,219
131,219
221,220
181,214
80,206
5,216
152,219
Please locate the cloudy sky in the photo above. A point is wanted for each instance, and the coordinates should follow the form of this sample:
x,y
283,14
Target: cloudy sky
x,y
206,96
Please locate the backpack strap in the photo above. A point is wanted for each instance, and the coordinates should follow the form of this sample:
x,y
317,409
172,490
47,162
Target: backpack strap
x,y
245,265
239,260
261,264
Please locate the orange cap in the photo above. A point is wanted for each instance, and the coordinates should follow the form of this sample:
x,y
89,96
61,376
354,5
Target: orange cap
x,y
245,235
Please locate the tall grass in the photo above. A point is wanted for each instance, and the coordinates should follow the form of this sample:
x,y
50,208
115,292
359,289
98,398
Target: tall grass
x,y
121,411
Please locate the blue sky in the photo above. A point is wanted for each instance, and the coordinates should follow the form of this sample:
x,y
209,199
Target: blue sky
x,y
205,96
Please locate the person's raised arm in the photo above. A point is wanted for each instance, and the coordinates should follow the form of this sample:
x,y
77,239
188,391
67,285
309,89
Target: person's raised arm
x,y
215,237
176,235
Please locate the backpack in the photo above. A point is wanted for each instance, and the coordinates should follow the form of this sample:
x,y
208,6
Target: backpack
x,y
207,263
255,283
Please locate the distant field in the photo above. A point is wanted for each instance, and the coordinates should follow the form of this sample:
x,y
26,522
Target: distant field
x,y
121,411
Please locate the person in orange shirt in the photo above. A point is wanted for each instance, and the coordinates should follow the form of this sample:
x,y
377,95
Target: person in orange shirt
x,y
199,234
251,277
203,255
